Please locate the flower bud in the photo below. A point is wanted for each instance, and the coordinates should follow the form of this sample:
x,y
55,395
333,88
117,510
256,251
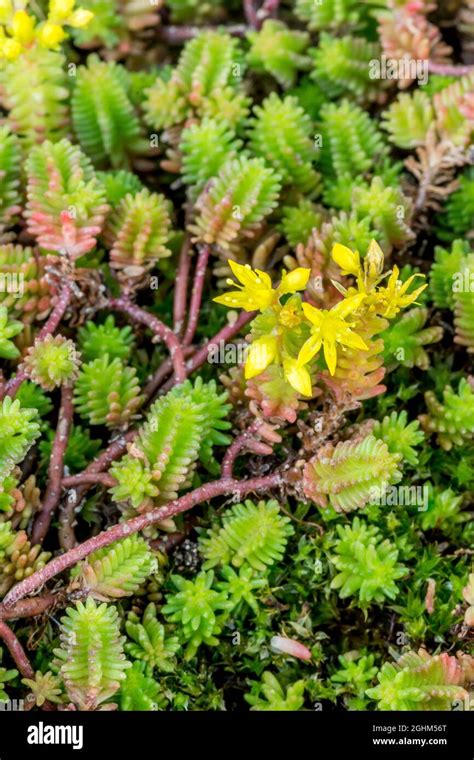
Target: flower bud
x,y
291,647
373,262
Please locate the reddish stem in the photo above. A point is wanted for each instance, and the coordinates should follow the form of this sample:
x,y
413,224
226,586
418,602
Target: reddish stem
x,y
67,513
176,35
250,12
113,451
49,327
449,70
16,650
162,373
181,286
56,467
225,335
159,329
224,487
89,478
270,8
238,445
196,296
36,605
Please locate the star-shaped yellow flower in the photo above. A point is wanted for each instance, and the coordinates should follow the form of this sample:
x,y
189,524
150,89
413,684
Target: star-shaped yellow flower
x,y
394,296
329,328
255,291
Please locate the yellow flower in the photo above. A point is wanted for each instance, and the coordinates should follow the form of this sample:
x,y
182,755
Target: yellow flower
x,y
23,27
50,35
9,49
373,262
293,281
255,291
289,316
347,260
297,376
394,296
60,10
264,351
261,353
6,11
330,328
80,18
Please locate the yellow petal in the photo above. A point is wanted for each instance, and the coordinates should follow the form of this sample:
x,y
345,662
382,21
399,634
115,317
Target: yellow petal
x,y
6,10
314,315
411,297
245,275
10,49
393,279
309,349
23,27
60,10
330,354
347,305
262,353
351,339
347,260
50,35
408,282
297,376
236,299
295,280
263,279
80,18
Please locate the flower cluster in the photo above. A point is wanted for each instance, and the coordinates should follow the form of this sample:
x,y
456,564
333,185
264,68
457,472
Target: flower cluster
x,y
19,30
290,333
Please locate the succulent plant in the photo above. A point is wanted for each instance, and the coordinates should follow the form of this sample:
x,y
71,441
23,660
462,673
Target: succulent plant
x,y
342,66
149,643
290,150
408,119
206,147
103,117
116,571
8,330
368,567
19,428
106,338
90,658
418,680
66,203
44,686
251,533
139,691
137,231
34,93
239,545
234,206
181,428
26,290
352,144
52,362
347,476
452,419
299,221
405,339
279,51
18,558
269,694
199,609
107,392
400,436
